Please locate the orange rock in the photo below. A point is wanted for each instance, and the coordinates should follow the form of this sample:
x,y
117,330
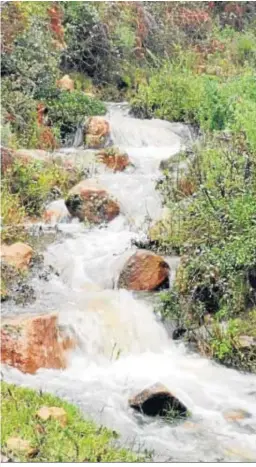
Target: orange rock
x,y
66,83
18,255
88,201
117,162
30,343
57,413
97,130
144,271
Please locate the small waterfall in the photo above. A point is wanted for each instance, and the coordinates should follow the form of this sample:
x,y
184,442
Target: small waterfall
x,y
79,136
122,346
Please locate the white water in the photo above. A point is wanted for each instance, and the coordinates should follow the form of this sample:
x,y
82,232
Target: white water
x,y
122,346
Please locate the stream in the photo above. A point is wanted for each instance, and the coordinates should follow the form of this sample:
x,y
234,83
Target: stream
x,y
123,346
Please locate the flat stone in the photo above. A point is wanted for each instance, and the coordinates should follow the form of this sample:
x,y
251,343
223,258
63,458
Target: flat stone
x,y
56,413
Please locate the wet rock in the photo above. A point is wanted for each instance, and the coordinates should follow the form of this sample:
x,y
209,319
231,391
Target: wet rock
x,y
30,343
89,201
16,444
7,158
18,255
56,413
144,271
158,400
56,212
96,132
66,83
178,333
235,415
114,160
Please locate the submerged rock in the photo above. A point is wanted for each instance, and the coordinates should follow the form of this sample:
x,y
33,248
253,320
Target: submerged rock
x,y
89,201
235,415
18,255
114,160
158,400
30,343
144,271
97,132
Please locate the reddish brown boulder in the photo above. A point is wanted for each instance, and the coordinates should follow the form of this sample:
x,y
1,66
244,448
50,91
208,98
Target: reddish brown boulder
x,y
29,343
18,255
158,400
88,201
114,160
96,132
144,271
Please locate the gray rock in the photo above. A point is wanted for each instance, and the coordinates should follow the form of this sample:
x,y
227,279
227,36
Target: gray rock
x,y
158,400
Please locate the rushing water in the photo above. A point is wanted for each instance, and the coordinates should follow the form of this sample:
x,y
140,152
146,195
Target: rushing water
x,y
123,347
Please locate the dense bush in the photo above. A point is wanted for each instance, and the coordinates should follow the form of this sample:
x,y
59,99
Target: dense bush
x,y
213,103
215,233
26,187
70,108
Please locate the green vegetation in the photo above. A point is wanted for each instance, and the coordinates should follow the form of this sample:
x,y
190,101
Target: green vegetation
x,y
70,109
79,441
26,188
211,199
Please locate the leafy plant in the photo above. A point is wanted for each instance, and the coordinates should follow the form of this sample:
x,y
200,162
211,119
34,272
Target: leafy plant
x,y
70,109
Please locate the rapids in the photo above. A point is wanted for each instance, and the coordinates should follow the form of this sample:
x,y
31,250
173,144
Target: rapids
x,y
123,346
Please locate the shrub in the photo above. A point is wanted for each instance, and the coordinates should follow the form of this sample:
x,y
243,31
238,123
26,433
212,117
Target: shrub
x,y
30,184
215,231
70,109
12,216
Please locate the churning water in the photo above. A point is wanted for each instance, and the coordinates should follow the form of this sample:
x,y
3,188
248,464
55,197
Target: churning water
x,y
123,347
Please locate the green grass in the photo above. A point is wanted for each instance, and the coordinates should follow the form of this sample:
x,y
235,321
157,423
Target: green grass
x,y
79,441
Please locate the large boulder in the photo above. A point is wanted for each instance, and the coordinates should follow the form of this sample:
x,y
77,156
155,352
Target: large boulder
x,y
113,159
29,343
97,131
89,201
144,271
18,255
158,400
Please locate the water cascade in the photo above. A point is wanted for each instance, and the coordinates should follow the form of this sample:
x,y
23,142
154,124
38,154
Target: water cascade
x,y
123,346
